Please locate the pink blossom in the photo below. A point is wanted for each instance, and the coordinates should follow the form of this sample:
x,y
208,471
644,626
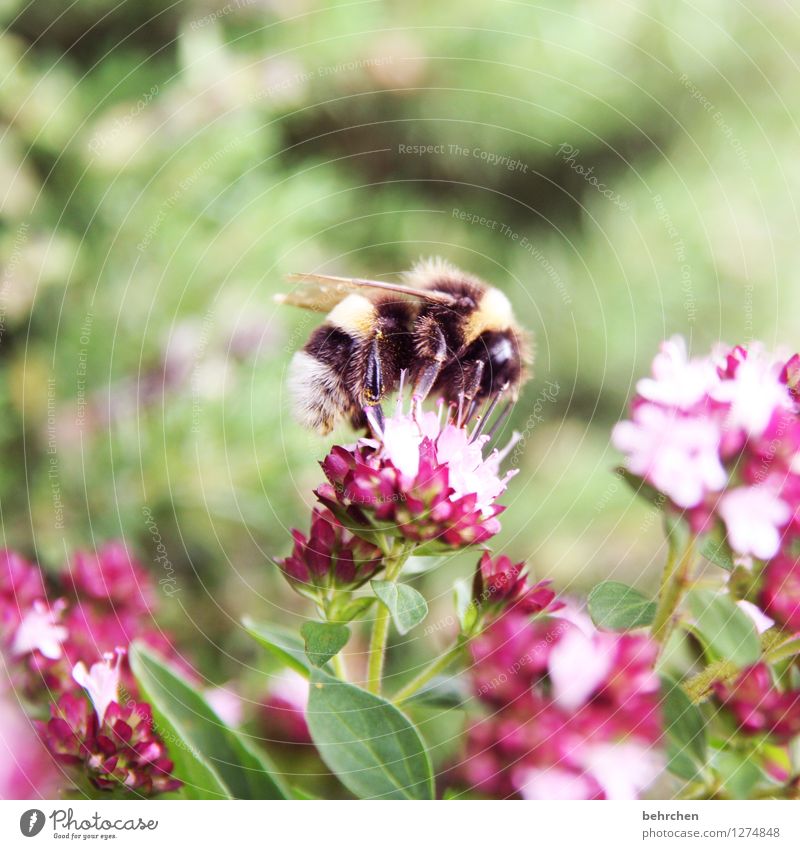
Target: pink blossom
x,y
40,631
677,454
623,769
226,704
578,665
570,714
753,517
427,479
101,682
283,718
26,769
754,393
763,623
553,784
780,591
678,381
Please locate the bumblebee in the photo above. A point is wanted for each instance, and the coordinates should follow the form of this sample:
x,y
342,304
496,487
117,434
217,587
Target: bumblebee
x,y
446,331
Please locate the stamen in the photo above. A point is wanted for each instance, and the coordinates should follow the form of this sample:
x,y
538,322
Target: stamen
x,y
375,419
399,405
500,420
484,419
504,452
473,405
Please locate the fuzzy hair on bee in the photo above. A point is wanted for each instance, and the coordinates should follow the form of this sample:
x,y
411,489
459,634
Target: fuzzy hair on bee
x,y
450,333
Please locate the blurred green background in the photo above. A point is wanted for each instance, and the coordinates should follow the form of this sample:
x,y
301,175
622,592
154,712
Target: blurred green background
x,y
164,165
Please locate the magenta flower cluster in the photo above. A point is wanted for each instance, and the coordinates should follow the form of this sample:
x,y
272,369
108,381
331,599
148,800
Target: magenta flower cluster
x,y
719,437
569,712
65,641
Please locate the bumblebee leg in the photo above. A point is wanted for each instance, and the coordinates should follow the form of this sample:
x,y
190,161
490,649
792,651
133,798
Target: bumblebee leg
x,y
473,373
430,371
373,375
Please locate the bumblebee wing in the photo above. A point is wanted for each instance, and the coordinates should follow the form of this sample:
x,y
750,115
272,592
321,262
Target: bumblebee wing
x,y
321,292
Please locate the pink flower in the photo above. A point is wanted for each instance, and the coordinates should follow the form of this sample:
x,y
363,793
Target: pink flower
x,y
753,517
111,574
675,453
226,704
678,381
283,718
720,438
578,665
623,770
40,631
21,583
759,706
330,557
754,393
572,713
424,480
121,752
505,586
26,769
101,682
780,591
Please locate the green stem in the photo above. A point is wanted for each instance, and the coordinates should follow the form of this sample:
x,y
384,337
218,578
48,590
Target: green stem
x,y
380,628
337,661
429,672
674,582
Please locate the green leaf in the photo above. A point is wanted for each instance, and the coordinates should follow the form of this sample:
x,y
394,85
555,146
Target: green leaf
x,y
642,489
214,760
726,630
619,607
346,609
739,772
442,692
466,609
323,640
283,644
367,742
407,606
419,565
685,731
716,549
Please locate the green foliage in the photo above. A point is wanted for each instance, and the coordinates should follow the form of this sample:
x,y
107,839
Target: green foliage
x,y
407,606
280,642
367,742
725,630
323,640
619,607
212,759
685,732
